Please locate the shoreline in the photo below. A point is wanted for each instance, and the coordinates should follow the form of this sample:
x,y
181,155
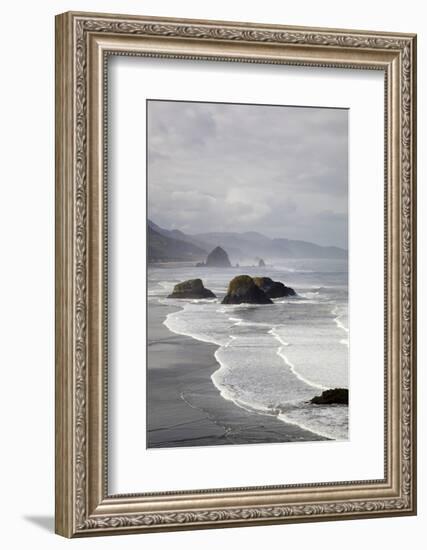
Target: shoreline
x,y
185,408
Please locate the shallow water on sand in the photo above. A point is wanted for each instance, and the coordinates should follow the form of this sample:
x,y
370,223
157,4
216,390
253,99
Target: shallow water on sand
x,y
272,359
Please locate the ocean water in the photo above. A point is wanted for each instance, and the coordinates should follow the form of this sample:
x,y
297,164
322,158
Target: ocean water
x,y
272,359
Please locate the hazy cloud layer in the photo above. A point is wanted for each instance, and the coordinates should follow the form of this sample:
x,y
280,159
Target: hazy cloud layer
x,y
281,171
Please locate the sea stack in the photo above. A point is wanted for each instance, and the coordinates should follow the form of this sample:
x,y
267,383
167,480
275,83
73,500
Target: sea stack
x,y
218,258
193,289
243,290
261,263
274,289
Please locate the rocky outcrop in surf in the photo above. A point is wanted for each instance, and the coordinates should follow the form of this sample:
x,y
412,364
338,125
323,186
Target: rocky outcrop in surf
x,y
273,289
243,290
337,396
193,288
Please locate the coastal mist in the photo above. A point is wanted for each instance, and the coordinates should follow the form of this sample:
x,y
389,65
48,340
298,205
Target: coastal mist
x,y
247,274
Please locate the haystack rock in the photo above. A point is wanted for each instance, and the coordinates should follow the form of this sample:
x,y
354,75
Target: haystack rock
x,y
273,289
243,290
261,263
218,258
192,288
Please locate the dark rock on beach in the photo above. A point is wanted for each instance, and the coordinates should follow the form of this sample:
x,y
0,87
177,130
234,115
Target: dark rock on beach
x,y
273,289
192,288
337,396
218,258
243,290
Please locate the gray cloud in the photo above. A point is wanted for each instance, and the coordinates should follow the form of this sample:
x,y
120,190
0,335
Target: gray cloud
x,y
278,170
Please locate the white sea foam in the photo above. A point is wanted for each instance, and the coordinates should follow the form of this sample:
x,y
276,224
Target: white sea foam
x,y
189,322
241,323
329,421
340,325
167,285
298,422
280,353
293,270
340,315
297,302
272,359
309,295
252,377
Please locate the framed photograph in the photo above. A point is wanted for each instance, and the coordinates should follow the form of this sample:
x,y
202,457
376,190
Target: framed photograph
x,y
235,274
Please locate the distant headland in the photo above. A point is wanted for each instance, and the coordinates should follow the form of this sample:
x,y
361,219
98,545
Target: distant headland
x,y
224,249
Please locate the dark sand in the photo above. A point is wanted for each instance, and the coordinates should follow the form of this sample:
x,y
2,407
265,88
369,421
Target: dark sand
x,y
185,409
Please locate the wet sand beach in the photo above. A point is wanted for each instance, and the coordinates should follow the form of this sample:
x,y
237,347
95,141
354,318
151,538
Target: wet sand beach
x,y
185,409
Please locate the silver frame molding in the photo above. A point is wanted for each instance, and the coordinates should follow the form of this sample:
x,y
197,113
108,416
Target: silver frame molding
x,y
83,43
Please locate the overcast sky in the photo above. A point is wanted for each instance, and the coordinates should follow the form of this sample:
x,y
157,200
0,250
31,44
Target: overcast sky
x,y
281,171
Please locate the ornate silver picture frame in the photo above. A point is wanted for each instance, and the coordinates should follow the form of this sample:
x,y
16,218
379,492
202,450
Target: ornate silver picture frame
x,y
84,505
